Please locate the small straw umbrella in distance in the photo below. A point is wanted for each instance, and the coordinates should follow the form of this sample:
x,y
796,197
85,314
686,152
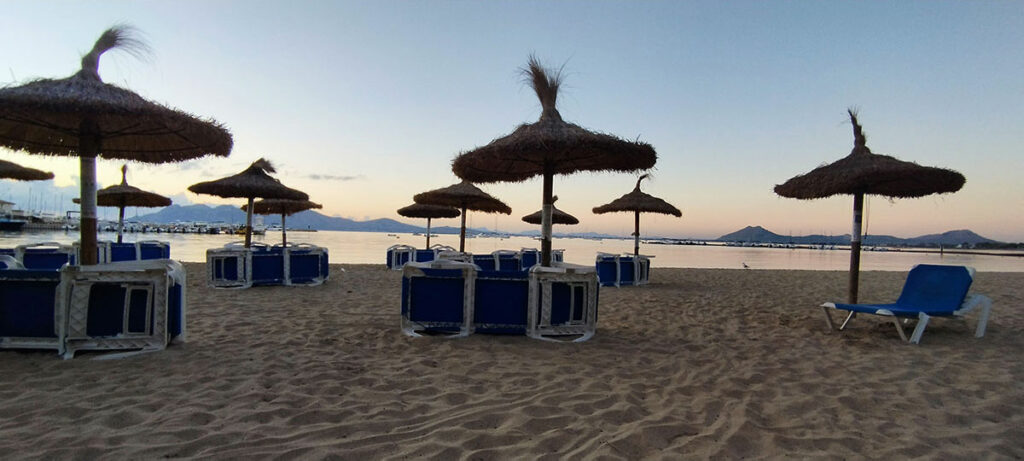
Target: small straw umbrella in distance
x,y
10,170
548,147
282,207
557,216
122,196
863,172
638,202
84,117
463,196
251,183
422,210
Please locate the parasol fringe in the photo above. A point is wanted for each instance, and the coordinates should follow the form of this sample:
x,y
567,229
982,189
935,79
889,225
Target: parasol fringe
x,y
264,165
546,86
641,178
859,139
122,37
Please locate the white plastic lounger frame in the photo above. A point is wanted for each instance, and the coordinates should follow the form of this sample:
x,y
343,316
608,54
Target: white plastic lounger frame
x,y
19,251
151,278
538,317
970,302
397,251
641,267
414,269
497,254
216,257
102,251
306,247
11,262
454,255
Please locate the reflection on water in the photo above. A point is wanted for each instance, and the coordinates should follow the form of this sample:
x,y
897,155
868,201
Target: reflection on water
x,y
370,248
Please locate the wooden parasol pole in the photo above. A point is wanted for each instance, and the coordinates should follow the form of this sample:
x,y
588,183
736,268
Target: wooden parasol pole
x,y
858,215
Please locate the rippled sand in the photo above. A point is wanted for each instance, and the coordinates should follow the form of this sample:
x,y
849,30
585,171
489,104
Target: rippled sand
x,y
701,363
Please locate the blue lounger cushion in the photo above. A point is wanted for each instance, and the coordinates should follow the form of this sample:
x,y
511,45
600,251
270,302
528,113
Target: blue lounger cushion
x,y
304,266
122,252
435,298
933,290
267,266
501,302
28,303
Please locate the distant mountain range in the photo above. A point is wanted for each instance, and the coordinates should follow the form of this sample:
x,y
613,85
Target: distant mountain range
x,y
758,234
311,219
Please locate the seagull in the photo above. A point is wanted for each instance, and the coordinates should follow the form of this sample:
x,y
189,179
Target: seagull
x,y
745,266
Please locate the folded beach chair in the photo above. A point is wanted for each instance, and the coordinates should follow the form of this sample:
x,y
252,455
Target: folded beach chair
x,y
305,264
116,306
229,266
268,264
499,260
929,291
8,261
500,302
623,270
136,251
29,308
122,306
46,255
529,257
563,302
437,297
398,255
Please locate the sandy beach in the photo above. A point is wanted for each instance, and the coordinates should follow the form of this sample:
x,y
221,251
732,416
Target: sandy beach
x,y
702,363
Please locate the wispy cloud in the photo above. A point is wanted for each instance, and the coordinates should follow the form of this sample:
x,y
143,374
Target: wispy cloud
x,y
331,177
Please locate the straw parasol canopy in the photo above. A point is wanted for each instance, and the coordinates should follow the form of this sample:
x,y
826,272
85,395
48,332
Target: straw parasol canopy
x,y
122,196
548,147
557,216
10,170
84,117
863,172
282,207
251,183
463,196
638,202
422,210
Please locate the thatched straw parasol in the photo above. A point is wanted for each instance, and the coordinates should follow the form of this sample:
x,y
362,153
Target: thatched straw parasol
x,y
10,170
863,172
557,216
638,202
123,196
463,196
421,210
548,147
84,117
251,183
282,207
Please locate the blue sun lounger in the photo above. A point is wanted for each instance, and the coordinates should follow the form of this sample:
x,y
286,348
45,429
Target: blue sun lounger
x,y
458,298
137,251
929,291
234,266
117,306
46,255
529,257
623,270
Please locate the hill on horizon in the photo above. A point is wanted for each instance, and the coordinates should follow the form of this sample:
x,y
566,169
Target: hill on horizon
x,y
758,234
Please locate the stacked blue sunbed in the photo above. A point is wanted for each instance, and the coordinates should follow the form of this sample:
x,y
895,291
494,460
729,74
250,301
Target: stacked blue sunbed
x,y
234,266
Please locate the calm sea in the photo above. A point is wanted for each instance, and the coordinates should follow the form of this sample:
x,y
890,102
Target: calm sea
x,y
370,248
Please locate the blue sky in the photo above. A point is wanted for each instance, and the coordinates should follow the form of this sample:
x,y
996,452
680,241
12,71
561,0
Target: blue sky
x,y
364,104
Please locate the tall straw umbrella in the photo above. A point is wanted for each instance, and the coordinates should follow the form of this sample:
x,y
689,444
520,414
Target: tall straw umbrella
x,y
638,202
421,210
10,170
282,207
463,196
84,117
863,172
252,183
123,196
557,216
548,147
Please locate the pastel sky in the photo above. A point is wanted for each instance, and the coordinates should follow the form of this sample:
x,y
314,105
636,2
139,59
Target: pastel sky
x,y
364,104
